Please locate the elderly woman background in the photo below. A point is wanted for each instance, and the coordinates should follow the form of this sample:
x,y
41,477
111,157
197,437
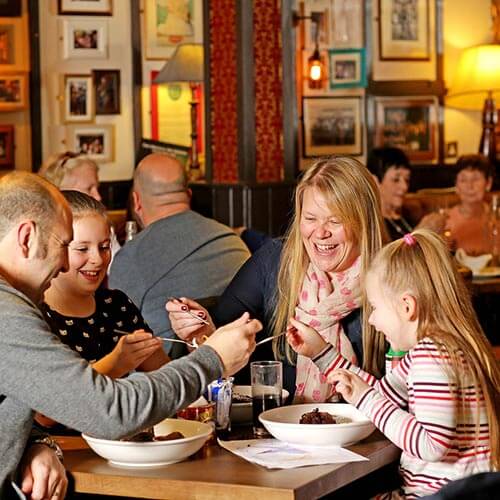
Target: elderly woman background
x,y
313,274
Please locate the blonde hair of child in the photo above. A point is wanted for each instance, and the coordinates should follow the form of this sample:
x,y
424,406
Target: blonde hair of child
x,y
57,167
354,198
445,315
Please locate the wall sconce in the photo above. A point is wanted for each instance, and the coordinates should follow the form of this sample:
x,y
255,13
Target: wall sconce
x,y
186,65
316,72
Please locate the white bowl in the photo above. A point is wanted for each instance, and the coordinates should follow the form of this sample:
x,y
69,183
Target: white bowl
x,y
155,453
283,424
241,413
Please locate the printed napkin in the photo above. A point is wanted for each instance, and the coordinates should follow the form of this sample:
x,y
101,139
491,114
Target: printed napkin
x,y
275,454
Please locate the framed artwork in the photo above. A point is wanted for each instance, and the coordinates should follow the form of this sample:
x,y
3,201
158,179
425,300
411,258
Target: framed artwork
x,y
319,32
10,8
6,146
78,98
13,93
85,7
94,141
409,123
13,53
332,125
346,25
404,30
106,91
168,23
85,39
347,68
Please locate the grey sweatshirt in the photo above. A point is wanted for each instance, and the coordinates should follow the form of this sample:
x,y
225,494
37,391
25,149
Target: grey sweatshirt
x,y
39,373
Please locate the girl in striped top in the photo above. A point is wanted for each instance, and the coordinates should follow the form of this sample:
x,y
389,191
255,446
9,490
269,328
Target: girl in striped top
x,y
440,405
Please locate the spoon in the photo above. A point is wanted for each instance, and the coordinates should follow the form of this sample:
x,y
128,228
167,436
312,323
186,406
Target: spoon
x,y
268,339
193,344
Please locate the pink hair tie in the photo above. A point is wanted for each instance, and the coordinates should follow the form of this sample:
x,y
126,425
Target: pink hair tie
x,y
409,239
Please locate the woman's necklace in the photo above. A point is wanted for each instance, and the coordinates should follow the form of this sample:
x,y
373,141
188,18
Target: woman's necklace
x,y
400,225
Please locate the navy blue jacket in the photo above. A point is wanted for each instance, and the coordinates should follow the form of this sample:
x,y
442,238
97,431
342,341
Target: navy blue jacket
x,y
253,289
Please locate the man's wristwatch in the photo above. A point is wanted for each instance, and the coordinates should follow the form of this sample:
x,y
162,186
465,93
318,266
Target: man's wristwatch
x,y
51,443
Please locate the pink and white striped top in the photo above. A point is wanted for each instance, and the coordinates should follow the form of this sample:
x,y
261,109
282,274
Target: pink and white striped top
x,y
418,407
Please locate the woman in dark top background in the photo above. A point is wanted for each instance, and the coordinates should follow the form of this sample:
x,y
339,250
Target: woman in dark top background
x,y
391,168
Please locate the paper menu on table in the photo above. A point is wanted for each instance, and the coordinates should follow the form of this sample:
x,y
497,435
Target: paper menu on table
x,y
275,454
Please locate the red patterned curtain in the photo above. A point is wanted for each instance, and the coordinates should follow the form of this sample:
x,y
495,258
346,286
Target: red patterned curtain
x,y
268,91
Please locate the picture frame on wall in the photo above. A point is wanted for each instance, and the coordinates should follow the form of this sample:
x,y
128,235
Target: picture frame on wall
x,y
6,146
94,141
346,24
106,91
409,123
10,8
78,102
168,23
13,53
332,125
85,7
85,39
404,30
13,92
347,68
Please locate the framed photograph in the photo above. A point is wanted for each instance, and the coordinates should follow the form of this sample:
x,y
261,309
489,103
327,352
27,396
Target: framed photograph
x,y
10,8
13,52
346,25
78,98
168,23
85,7
409,123
332,125
347,68
404,30
6,146
106,91
94,141
13,93
85,39
317,32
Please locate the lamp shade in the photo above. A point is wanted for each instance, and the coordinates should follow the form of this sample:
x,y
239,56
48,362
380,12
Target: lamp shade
x,y
186,65
477,75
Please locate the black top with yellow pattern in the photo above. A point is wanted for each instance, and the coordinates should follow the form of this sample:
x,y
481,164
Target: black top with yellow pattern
x,y
93,337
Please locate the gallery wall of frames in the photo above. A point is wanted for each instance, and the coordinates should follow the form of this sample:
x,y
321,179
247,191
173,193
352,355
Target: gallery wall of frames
x,y
15,131
383,81
86,74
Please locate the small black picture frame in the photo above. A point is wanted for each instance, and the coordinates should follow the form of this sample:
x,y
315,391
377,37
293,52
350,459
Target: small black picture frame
x,y
10,8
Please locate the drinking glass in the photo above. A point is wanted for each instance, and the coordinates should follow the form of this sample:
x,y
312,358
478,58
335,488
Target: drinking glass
x,y
267,385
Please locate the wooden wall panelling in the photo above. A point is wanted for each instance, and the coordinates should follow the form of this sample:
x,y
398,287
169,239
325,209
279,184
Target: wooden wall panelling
x,y
35,83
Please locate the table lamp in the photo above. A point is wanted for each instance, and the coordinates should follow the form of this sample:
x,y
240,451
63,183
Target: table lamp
x,y
475,86
186,65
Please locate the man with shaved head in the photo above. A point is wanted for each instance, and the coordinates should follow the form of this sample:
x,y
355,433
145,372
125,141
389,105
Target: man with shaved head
x,y
39,373
179,253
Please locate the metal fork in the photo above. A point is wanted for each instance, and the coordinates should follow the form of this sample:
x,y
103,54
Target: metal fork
x,y
195,316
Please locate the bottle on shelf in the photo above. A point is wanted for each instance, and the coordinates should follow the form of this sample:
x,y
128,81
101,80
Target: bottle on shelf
x,y
130,230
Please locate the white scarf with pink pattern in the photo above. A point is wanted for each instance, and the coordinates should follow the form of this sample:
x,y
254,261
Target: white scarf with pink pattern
x,y
324,300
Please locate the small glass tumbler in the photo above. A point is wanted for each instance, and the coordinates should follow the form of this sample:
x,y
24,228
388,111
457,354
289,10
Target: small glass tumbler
x,y
267,385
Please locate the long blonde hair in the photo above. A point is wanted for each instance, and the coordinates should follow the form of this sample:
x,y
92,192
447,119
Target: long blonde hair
x,y
353,196
58,166
445,315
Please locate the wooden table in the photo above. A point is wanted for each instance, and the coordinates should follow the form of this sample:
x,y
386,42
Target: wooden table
x,y
214,473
